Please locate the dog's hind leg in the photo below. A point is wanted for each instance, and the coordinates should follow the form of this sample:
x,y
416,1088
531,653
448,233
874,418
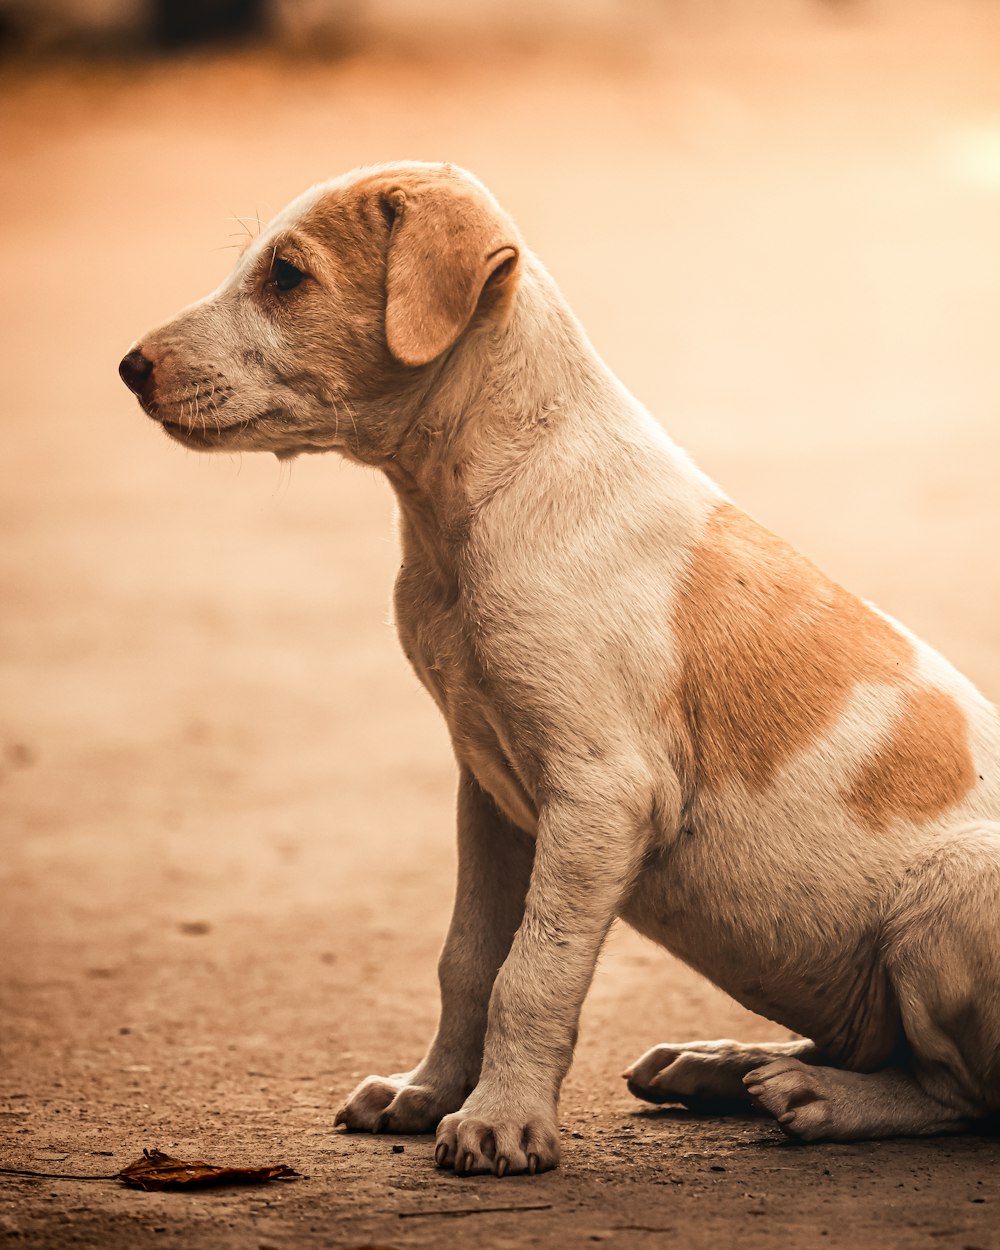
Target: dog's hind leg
x,y
707,1076
941,947
831,1104
943,955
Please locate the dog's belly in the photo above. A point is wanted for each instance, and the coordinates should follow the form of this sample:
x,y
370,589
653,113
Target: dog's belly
x,y
821,978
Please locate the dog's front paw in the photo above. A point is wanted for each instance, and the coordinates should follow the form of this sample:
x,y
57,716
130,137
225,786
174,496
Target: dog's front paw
x,y
395,1104
503,1141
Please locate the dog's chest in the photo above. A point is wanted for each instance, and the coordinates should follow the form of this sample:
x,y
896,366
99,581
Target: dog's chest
x,y
435,638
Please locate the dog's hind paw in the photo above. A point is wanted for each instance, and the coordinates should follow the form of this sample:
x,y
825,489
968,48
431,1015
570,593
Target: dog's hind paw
x,y
803,1099
697,1074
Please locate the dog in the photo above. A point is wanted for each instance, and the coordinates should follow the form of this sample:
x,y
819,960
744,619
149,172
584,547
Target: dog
x,y
659,710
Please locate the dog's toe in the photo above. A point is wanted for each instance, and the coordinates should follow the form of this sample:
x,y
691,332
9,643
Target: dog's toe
x,y
795,1094
693,1073
475,1145
392,1105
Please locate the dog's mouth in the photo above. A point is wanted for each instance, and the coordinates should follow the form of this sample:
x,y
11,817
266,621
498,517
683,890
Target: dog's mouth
x,y
266,431
203,436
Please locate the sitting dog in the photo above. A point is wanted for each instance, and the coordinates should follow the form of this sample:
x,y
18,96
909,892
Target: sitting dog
x,y
660,711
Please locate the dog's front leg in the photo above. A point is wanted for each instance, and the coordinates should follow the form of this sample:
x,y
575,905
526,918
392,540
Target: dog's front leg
x,y
494,867
583,861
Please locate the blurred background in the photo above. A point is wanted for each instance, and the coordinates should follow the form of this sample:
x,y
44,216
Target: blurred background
x,y
226,805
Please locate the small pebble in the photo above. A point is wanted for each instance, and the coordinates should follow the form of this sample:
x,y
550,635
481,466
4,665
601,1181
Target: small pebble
x,y
21,755
398,1150
194,928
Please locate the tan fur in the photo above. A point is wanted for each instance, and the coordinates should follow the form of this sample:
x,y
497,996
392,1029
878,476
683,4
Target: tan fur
x,y
771,651
922,770
428,304
659,710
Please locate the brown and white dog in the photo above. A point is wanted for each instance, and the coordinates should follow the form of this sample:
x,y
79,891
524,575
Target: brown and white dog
x,y
660,711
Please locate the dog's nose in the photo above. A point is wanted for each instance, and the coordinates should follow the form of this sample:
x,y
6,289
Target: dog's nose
x,y
136,370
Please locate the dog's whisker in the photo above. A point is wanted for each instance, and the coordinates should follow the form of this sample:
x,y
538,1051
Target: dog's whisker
x,y
350,413
242,223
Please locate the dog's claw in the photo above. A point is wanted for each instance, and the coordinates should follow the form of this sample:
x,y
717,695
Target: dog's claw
x,y
497,1145
340,1118
440,1153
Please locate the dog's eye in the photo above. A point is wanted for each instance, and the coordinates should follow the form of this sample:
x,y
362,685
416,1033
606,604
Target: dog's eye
x,y
284,275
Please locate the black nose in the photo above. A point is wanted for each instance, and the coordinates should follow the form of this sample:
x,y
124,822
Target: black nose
x,y
136,370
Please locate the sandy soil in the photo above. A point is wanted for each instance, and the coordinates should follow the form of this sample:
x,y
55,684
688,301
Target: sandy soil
x,y
227,846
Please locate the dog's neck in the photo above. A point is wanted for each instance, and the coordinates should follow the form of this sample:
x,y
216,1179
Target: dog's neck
x,y
484,409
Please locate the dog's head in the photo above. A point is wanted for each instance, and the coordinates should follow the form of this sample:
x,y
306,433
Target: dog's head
x,y
329,327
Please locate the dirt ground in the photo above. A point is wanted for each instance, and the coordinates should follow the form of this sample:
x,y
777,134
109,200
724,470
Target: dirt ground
x,y
227,805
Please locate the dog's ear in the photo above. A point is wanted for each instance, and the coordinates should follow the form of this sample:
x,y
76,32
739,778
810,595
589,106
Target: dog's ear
x,y
448,252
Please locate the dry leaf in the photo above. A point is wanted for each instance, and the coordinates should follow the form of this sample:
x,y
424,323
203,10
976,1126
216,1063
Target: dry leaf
x,y
156,1170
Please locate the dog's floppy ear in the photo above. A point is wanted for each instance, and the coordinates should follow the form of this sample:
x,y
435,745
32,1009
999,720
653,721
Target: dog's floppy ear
x,y
445,246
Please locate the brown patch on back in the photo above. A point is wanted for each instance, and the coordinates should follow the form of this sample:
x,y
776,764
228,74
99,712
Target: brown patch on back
x,y
772,650
921,770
